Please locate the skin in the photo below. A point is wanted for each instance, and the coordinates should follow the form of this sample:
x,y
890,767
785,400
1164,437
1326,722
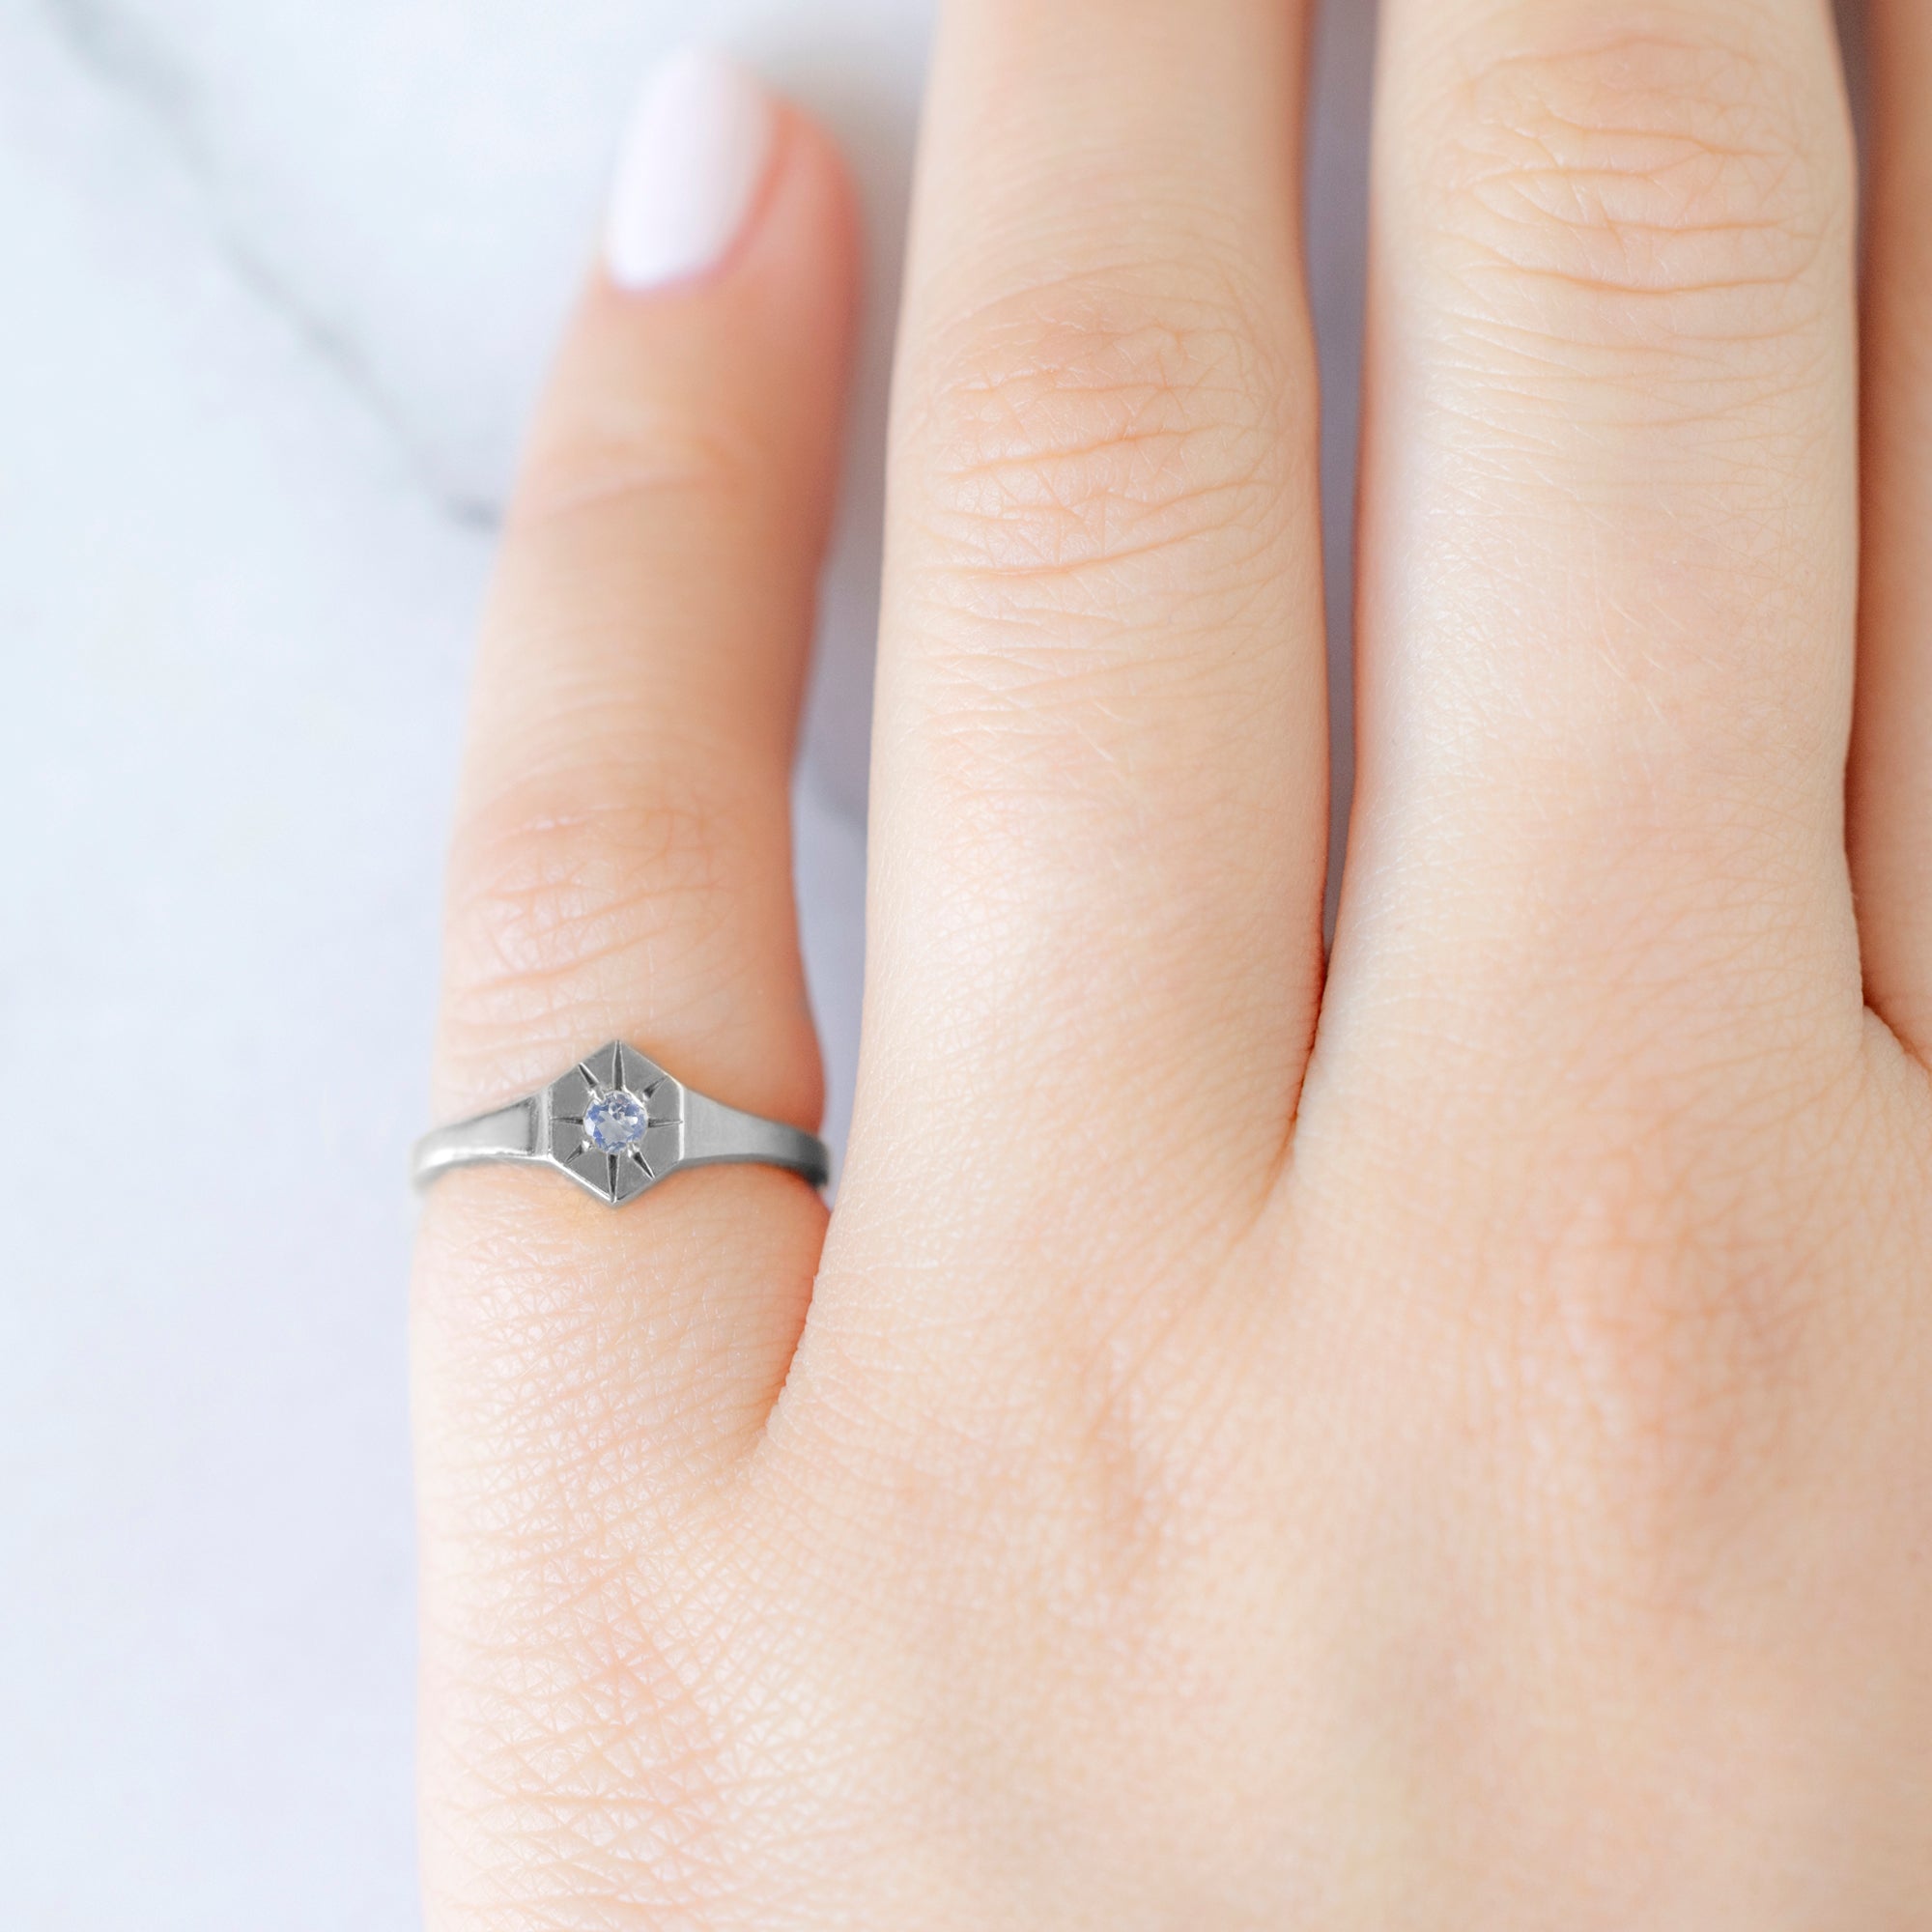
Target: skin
x,y
1437,1437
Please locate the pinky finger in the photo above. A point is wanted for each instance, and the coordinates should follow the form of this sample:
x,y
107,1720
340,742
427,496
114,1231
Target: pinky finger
x,y
585,1377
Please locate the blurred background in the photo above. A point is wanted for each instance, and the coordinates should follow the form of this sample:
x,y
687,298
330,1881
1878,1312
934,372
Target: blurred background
x,y
280,277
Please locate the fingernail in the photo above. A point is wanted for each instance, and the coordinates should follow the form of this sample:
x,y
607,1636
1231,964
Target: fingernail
x,y
693,162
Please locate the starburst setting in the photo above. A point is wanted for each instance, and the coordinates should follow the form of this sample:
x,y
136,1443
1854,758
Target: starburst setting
x,y
616,1121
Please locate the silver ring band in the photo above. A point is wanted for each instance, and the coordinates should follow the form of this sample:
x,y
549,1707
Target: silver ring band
x,y
618,1123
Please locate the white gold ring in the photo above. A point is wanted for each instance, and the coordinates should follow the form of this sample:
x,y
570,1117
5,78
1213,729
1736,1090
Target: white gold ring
x,y
618,1123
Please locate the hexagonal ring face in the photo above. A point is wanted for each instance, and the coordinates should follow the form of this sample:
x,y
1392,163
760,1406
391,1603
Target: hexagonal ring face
x,y
615,1122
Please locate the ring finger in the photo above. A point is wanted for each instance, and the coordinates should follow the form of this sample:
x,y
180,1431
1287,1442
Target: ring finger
x,y
1100,769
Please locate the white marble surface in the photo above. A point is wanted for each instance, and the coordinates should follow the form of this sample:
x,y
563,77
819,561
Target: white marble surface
x,y
279,275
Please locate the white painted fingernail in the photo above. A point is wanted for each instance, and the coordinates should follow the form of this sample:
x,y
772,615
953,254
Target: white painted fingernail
x,y
693,163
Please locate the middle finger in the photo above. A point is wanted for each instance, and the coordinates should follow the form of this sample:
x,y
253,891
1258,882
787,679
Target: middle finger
x,y
1610,554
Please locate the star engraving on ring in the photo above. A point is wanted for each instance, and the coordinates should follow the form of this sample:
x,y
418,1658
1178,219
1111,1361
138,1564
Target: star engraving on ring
x,y
603,1120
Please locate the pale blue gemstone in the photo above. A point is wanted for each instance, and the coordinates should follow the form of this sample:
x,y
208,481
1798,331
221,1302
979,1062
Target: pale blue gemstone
x,y
616,1121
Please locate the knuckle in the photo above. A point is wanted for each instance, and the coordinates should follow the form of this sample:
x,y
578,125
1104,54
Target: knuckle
x,y
1641,186
1096,423
638,453
561,892
555,885
1673,1316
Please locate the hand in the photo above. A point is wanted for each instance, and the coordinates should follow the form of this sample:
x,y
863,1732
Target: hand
x,y
1442,1439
